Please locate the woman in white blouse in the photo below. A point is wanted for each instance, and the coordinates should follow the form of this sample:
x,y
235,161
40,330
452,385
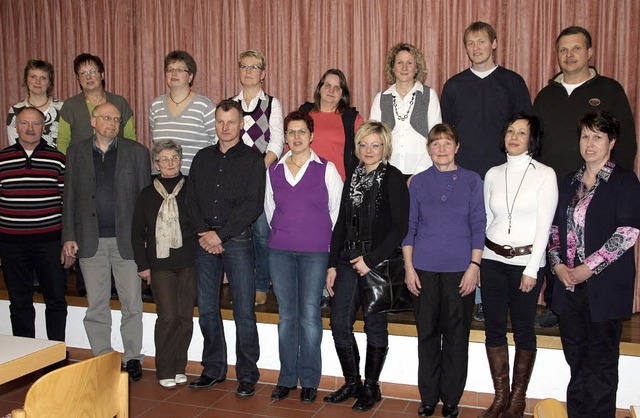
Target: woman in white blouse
x,y
410,108
520,199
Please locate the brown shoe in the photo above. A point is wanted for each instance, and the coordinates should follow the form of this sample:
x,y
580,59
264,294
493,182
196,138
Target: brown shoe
x,y
499,366
261,298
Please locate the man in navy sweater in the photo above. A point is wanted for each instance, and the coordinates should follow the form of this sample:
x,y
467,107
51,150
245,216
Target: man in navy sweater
x,y
477,102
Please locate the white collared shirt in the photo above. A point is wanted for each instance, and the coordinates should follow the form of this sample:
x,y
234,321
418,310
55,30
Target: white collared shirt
x,y
276,121
409,147
332,180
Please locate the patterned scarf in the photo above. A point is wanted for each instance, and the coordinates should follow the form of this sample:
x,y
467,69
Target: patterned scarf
x,y
168,234
361,182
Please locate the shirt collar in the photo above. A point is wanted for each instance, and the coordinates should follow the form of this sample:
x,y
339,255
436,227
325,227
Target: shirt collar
x,y
314,157
111,147
417,86
603,174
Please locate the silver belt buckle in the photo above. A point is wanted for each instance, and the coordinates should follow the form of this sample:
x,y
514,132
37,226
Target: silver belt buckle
x,y
510,250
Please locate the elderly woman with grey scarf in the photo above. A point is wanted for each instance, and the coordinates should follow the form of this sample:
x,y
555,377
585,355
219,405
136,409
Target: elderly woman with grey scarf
x,y
164,244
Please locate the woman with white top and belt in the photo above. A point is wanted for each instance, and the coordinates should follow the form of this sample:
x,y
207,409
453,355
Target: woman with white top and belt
x,y
410,108
520,200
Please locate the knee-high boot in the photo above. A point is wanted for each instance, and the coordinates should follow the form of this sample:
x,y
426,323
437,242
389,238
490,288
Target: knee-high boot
x,y
370,394
522,368
499,366
350,361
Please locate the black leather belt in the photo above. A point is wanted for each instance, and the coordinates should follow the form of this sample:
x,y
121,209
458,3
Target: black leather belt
x,y
361,246
507,251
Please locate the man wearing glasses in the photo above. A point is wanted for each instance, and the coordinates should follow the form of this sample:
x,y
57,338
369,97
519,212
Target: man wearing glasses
x,y
105,174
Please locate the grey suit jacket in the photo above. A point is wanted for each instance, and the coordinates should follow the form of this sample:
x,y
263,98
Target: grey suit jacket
x,y
79,221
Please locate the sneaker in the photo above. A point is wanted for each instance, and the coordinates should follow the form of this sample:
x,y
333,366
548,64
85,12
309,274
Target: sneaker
x,y
167,383
547,319
134,368
181,378
261,298
479,313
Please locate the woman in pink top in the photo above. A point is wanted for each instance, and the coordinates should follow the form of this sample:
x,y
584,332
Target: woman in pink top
x,y
335,121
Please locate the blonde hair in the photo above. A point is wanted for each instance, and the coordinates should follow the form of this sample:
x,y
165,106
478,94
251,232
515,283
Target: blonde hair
x,y
379,128
421,74
253,53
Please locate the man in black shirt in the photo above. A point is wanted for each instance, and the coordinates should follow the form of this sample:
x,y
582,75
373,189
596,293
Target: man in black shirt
x,y
225,195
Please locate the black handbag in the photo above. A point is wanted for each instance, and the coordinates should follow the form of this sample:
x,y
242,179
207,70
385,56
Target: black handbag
x,y
384,289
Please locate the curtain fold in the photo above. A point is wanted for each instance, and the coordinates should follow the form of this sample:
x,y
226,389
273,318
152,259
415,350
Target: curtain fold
x,y
301,39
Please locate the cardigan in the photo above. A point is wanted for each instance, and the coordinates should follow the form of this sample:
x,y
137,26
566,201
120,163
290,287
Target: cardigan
x,y
390,221
615,203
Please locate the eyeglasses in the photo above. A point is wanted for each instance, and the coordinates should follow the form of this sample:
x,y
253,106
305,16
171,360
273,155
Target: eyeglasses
x,y
86,73
374,146
250,68
301,132
107,118
177,70
173,159
331,88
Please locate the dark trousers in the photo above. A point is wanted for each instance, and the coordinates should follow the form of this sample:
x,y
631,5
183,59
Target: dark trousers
x,y
592,350
443,320
345,303
175,297
501,296
19,261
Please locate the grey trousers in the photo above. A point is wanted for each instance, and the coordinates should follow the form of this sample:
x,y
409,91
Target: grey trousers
x,y
97,321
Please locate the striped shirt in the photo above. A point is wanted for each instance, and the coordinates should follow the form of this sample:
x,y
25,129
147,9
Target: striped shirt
x,y
194,128
31,193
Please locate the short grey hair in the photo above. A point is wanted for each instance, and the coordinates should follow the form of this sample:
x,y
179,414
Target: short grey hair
x,y
165,144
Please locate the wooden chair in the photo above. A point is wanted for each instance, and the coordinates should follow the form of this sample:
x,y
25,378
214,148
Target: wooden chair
x,y
550,408
94,388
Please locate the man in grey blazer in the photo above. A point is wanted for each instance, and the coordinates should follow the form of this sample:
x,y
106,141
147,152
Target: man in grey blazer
x,y
104,175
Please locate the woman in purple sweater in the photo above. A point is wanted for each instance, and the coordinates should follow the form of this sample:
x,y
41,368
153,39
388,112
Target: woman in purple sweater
x,y
442,253
302,200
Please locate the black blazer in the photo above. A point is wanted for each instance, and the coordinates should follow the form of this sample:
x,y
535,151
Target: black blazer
x,y
615,203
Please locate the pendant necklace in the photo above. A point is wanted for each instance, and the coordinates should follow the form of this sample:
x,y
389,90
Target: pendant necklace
x,y
178,103
513,202
406,115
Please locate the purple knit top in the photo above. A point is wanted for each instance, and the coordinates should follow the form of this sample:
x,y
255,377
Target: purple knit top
x,y
301,220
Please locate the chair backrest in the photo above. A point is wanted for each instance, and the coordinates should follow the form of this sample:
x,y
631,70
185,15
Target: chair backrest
x,y
95,388
550,408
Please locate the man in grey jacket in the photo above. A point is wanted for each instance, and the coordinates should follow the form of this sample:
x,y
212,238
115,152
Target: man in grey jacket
x,y
104,175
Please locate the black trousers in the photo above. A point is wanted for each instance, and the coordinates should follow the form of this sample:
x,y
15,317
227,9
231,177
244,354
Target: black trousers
x,y
175,296
443,321
592,350
19,261
500,297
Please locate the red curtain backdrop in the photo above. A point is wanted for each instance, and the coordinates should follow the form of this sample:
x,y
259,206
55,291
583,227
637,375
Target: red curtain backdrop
x,y
301,39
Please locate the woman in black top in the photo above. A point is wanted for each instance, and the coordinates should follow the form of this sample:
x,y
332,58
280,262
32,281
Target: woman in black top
x,y
164,245
369,230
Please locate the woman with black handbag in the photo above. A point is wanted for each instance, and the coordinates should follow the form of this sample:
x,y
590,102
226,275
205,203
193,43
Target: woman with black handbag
x,y
371,224
442,254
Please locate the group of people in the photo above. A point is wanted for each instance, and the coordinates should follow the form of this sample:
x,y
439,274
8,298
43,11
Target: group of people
x,y
473,203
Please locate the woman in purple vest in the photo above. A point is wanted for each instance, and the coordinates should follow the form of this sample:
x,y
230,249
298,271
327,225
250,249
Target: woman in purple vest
x,y
372,222
302,200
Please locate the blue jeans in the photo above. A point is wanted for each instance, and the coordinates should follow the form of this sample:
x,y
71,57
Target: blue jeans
x,y
261,250
237,262
345,303
298,279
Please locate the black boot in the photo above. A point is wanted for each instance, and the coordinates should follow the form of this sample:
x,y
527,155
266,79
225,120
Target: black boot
x,y
370,394
350,362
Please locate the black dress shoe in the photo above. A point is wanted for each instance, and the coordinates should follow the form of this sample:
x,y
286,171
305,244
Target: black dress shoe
x,y
308,395
450,411
426,410
134,369
246,389
204,382
281,392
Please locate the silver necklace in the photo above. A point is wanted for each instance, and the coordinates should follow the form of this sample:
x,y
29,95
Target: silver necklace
x,y
506,197
406,115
